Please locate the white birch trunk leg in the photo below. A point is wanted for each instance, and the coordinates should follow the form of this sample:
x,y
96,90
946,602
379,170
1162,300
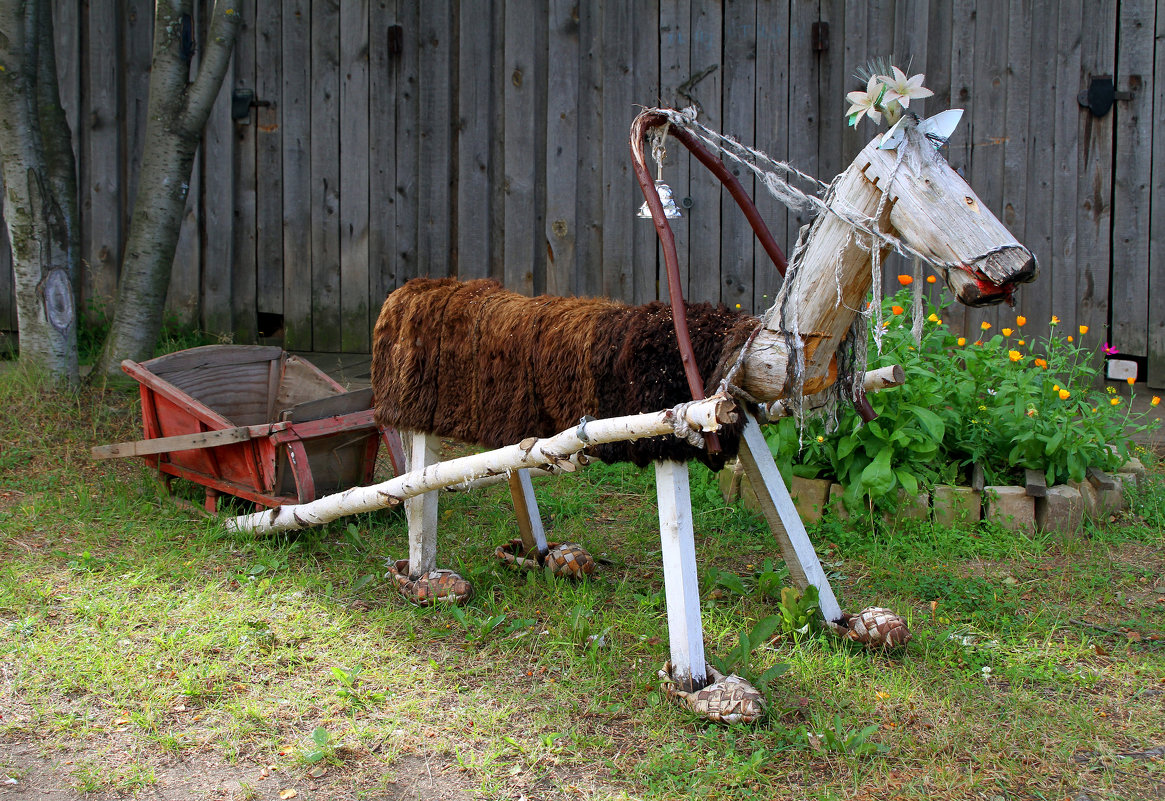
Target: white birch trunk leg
x,y
421,510
781,514
685,631
526,509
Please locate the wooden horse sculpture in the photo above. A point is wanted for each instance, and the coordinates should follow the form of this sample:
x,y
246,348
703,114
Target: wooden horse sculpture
x,y
474,362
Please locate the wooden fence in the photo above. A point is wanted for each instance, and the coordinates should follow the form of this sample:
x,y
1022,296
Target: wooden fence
x,y
393,139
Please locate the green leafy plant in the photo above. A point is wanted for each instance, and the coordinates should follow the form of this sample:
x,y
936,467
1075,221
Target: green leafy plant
x,y
798,611
835,736
476,628
350,689
738,659
323,746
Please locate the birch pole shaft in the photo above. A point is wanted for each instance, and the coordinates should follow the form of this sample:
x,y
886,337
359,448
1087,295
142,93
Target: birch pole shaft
x,y
705,415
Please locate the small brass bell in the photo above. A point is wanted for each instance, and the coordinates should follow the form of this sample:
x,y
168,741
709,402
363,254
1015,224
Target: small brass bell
x,y
670,209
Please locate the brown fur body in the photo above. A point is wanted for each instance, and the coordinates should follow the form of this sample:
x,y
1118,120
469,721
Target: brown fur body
x,y
477,363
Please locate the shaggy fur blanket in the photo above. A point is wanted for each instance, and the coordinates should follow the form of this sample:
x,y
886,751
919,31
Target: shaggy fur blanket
x,y
477,363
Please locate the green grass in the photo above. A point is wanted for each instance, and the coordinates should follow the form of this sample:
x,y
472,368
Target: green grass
x,y
135,636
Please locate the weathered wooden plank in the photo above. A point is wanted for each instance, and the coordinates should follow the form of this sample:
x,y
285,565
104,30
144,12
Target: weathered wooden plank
x,y
137,33
911,46
180,442
324,196
561,148
218,191
434,195
7,279
772,137
831,87
961,77
355,322
1012,211
475,133
1156,288
739,114
1035,300
269,161
1094,189
183,295
68,18
295,128
646,266
1066,156
882,23
675,61
521,167
705,89
103,193
1132,175
497,173
589,208
804,103
526,511
854,39
244,270
408,176
385,46
621,195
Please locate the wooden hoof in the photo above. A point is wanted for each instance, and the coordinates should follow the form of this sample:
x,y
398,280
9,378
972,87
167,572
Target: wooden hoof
x,y
430,588
727,699
875,627
567,559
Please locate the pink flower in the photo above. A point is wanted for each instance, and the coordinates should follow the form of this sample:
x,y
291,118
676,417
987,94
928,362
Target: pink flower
x,y
1109,350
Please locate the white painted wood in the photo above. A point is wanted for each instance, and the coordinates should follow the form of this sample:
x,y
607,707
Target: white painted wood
x,y
681,586
421,510
705,415
526,509
781,514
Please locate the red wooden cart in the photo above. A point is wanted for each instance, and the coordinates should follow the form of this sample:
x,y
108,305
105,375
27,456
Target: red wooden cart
x,y
254,422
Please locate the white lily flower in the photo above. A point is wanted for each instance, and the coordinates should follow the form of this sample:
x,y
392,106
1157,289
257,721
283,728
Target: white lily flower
x,y
902,89
866,103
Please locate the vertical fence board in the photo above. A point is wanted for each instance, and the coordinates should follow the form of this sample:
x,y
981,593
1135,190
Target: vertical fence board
x,y
184,293
7,280
475,134
1156,288
561,148
772,137
268,159
137,46
704,216
1132,173
244,283
407,145
645,89
521,169
295,128
804,109
621,196
739,114
589,241
856,44
1067,158
675,66
831,89
325,175
434,211
988,112
384,57
218,192
354,169
103,221
1017,85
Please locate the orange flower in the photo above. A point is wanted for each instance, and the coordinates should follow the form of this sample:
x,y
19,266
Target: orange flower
x,y
961,341
1006,332
1083,329
1064,394
985,325
906,280
978,342
1156,400
897,309
1115,401
1055,320
1020,320
930,279
1131,379
1020,342
1069,337
1014,355
1041,363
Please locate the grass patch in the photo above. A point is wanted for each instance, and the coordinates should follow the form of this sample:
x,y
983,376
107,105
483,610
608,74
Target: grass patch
x,y
136,638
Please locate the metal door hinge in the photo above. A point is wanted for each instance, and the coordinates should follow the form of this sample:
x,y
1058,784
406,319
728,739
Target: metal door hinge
x,y
1100,95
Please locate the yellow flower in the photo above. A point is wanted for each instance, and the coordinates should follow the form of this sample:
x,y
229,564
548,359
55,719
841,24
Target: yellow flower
x,y
1083,329
821,439
1014,355
738,305
1055,387
1156,400
961,341
1110,390
1020,342
930,279
1020,320
982,408
985,325
933,317
1131,379
1069,337
1115,401
1006,332
1055,320
1064,394
897,309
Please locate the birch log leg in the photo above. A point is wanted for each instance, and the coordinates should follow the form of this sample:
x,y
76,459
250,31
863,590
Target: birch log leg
x,y
781,514
421,510
526,509
685,631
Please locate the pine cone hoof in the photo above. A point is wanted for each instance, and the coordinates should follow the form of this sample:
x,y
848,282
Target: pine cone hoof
x,y
727,699
875,627
566,559
426,590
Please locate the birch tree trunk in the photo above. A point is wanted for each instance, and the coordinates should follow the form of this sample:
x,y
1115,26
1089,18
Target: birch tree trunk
x,y
40,189
178,110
